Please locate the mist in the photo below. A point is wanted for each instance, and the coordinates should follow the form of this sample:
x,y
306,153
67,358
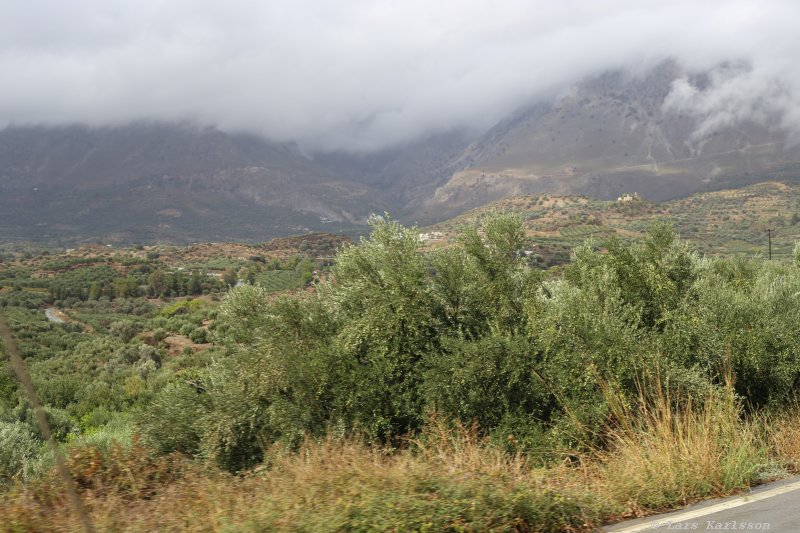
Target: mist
x,y
363,75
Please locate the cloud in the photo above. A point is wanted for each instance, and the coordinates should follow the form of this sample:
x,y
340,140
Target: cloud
x,y
360,75
732,95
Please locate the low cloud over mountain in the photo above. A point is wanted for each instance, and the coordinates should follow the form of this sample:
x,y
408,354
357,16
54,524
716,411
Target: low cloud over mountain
x,y
362,75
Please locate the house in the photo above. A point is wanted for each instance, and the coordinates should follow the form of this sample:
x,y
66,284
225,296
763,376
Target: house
x,y
432,236
627,197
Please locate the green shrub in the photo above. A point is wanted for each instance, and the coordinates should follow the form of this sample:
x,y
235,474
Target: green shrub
x,y
18,451
489,381
198,336
159,334
174,420
124,329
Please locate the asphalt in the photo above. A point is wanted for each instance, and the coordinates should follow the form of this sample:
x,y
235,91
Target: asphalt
x,y
770,507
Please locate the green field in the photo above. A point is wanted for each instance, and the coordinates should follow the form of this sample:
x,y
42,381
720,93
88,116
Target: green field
x,y
279,280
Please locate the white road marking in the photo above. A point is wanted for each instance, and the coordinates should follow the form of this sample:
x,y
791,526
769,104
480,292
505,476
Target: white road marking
x,y
711,509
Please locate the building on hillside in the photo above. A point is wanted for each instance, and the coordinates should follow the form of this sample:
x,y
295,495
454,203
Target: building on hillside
x,y
432,236
628,197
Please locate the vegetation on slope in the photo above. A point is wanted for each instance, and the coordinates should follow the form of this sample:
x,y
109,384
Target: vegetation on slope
x,y
727,222
456,388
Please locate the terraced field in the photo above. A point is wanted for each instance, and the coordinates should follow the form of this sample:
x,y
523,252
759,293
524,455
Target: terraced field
x,y
729,222
279,280
584,232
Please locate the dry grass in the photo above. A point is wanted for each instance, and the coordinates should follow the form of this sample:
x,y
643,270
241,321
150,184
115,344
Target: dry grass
x,y
669,452
660,453
454,481
783,437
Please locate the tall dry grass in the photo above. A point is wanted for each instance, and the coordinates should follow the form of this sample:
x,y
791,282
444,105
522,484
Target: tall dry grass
x,y
782,434
659,453
451,480
666,451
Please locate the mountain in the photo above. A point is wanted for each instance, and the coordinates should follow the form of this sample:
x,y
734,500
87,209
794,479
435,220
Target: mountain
x,y
166,182
606,136
609,135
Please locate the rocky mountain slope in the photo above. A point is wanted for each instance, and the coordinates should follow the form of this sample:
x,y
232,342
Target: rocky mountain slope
x,y
610,135
177,182
166,182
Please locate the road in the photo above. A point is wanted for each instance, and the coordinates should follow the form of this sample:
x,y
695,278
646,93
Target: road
x,y
771,507
50,312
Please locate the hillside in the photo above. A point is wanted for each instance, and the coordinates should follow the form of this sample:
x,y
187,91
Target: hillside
x,y
726,222
153,182
212,258
611,134
480,394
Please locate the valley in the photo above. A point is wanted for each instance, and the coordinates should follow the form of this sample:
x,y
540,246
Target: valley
x,y
432,375
518,267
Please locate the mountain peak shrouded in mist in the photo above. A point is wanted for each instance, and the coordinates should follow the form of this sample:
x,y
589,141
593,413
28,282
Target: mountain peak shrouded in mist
x,y
619,131
361,76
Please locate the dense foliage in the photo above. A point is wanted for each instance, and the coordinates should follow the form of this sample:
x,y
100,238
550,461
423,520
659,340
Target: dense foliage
x,y
475,335
444,387
135,322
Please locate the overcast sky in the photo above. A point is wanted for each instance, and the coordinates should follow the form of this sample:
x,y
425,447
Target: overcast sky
x,y
352,74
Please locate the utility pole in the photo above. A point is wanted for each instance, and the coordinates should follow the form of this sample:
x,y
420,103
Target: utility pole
x,y
769,239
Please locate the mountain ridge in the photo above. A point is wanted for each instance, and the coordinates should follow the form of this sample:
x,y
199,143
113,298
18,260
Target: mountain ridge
x,y
614,134
180,182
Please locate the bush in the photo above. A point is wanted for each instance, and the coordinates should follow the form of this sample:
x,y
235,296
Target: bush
x,y
488,381
18,451
124,329
174,420
198,336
